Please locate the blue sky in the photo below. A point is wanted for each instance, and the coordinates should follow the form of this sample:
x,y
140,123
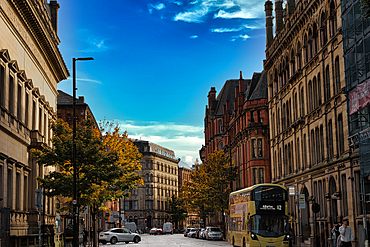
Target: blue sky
x,y
155,61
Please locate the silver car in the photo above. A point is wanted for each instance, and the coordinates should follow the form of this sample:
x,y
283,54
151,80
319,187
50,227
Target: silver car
x,y
212,232
115,235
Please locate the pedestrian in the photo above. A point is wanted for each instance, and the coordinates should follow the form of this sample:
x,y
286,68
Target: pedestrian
x,y
346,234
336,233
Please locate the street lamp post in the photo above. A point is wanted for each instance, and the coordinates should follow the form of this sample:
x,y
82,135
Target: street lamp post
x,y
74,202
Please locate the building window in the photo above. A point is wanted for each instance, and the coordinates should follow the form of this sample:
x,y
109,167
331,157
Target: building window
x,y
135,205
261,176
259,116
252,116
254,176
259,148
254,148
220,126
340,135
18,191
330,140
2,85
19,103
220,145
10,188
345,199
26,110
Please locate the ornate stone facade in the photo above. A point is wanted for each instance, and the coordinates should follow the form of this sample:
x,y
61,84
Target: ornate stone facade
x,y
148,204
308,115
30,68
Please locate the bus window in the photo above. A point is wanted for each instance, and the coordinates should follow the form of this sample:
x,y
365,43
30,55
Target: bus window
x,y
269,194
269,225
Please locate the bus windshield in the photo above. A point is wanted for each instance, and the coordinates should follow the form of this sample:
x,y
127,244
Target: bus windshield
x,y
269,225
269,194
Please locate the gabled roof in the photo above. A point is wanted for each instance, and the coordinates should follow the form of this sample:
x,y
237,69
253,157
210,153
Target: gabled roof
x,y
64,98
227,93
260,92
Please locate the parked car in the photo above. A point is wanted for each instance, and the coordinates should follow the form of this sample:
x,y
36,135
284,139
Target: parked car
x,y
116,235
212,232
192,233
187,229
155,231
197,234
201,234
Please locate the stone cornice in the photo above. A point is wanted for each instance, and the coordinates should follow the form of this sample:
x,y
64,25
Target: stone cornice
x,y
40,33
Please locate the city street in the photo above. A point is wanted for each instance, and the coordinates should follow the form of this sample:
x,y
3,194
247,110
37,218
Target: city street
x,y
176,240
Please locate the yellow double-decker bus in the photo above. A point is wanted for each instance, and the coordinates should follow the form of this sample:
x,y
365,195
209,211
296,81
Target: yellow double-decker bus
x,y
259,217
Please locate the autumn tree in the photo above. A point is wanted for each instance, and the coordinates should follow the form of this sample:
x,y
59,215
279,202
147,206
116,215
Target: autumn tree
x,y
177,210
107,163
208,190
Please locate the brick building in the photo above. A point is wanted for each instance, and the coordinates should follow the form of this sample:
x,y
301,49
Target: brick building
x,y
31,66
237,122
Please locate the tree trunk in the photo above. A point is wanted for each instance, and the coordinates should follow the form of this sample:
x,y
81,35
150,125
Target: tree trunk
x,y
95,237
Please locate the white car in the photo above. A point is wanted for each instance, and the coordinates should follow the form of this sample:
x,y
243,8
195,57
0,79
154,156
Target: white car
x,y
115,235
213,233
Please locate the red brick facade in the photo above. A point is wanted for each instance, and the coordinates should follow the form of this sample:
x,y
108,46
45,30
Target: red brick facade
x,y
237,122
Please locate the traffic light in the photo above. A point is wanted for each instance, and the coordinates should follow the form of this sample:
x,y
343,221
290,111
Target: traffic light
x,y
145,220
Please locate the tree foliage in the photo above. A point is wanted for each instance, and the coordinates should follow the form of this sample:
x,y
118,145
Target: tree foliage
x,y
106,160
208,189
177,210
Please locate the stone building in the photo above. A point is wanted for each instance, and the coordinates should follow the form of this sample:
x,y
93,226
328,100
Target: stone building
x,y
31,66
308,115
237,122
147,205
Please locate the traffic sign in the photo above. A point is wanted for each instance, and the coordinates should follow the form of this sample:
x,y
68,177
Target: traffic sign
x,y
316,208
74,202
302,204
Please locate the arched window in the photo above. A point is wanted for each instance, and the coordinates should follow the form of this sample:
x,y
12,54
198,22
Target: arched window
x,y
315,93
310,97
146,177
337,76
332,19
327,84
305,48
302,102
319,88
310,44
323,30
220,145
299,56
315,39
333,199
292,62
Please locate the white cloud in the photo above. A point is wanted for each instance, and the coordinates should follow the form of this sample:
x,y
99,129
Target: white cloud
x,y
194,36
226,30
85,80
158,6
244,37
226,9
95,45
184,140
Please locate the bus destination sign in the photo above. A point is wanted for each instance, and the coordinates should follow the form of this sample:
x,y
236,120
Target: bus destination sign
x,y
270,207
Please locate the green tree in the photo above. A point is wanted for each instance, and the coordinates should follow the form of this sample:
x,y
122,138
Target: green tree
x,y
106,163
177,210
208,190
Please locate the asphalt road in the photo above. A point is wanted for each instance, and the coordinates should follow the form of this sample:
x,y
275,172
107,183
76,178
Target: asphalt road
x,y
176,240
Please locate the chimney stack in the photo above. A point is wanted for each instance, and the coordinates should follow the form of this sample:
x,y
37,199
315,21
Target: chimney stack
x,y
269,24
241,83
279,15
291,7
54,6
211,97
